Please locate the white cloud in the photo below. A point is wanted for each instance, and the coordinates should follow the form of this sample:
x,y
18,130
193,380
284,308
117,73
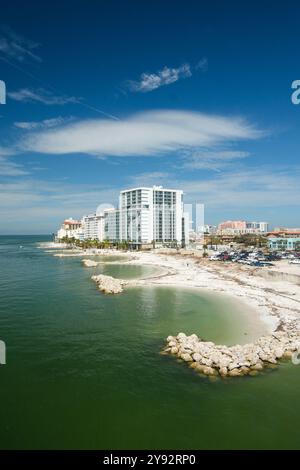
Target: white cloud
x,y
8,167
211,160
5,152
245,189
202,65
144,134
166,76
41,95
46,204
256,187
150,178
16,47
45,124
264,190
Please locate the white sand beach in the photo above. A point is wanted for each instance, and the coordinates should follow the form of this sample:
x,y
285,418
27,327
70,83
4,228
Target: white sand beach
x,y
276,300
274,292
271,295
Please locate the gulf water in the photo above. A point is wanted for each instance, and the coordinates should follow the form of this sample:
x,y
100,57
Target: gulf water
x,y
84,370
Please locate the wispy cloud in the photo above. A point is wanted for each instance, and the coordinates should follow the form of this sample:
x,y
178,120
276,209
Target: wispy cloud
x,y
17,48
8,167
47,97
254,187
202,65
5,152
211,159
251,188
46,204
44,124
149,178
41,95
151,81
144,134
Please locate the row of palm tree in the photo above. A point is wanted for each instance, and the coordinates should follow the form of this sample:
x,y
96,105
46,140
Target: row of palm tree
x,y
97,244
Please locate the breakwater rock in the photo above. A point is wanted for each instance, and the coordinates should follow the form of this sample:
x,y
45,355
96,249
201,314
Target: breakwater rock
x,y
108,284
89,263
233,361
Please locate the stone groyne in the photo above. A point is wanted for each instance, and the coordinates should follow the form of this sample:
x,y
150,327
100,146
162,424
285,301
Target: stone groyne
x,y
108,284
233,361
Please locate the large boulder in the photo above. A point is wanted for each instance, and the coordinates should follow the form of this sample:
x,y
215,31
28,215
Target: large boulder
x,y
235,373
197,357
108,284
209,370
186,357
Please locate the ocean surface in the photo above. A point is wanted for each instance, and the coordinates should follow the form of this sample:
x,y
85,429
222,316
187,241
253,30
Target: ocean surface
x,y
84,371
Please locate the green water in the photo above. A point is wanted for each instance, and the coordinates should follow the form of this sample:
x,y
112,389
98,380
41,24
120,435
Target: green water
x,y
123,271
83,369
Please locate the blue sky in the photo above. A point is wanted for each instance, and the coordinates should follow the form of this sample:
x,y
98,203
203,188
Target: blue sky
x,y
107,95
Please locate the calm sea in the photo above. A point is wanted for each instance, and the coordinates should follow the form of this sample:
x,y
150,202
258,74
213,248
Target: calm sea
x,y
84,370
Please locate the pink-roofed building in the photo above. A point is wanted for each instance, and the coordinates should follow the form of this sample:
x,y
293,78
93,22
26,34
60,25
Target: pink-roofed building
x,y
232,226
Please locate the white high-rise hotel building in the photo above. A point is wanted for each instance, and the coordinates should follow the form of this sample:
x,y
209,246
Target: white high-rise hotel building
x,y
93,227
152,215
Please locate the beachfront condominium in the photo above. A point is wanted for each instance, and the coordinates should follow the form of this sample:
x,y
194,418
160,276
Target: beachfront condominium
x,y
93,227
152,215
112,225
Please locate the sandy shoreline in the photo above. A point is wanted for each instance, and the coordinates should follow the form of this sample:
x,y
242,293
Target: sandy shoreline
x,y
276,302
274,296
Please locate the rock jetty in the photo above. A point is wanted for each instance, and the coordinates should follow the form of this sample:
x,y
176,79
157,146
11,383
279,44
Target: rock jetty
x,y
89,263
108,284
233,361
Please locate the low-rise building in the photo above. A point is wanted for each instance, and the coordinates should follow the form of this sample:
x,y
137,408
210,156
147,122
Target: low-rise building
x,y
284,240
71,229
241,227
